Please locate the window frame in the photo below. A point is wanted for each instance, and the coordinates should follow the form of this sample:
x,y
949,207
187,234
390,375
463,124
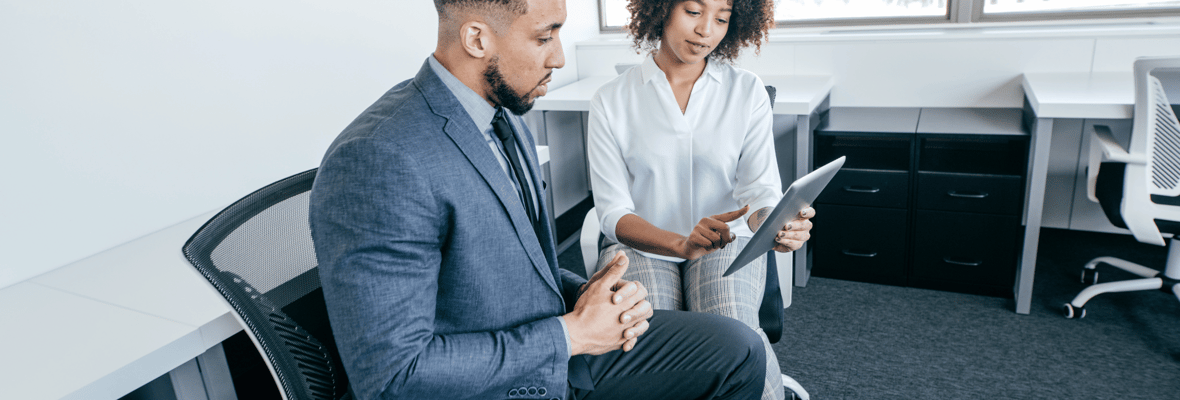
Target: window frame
x,y
977,14
958,12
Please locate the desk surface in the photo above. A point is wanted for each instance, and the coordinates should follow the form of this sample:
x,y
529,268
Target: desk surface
x,y
103,326
796,94
1098,95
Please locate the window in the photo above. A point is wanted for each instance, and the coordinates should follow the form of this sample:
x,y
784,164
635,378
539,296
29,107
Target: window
x,y
614,15
1046,9
809,10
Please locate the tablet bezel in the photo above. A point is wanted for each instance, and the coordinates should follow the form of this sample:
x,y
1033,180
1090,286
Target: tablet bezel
x,y
800,195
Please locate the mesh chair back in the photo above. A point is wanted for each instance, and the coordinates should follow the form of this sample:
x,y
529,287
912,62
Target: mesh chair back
x,y
1163,140
1155,134
258,253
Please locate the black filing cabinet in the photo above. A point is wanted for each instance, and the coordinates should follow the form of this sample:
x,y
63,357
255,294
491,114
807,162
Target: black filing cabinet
x,y
936,207
863,217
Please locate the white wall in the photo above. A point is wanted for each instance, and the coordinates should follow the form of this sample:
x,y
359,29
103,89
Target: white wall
x,y
119,118
581,24
123,117
961,66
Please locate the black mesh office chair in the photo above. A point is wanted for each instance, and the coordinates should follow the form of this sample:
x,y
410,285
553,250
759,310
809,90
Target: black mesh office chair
x,y
258,254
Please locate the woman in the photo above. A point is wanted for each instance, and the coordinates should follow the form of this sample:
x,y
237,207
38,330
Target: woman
x,y
680,150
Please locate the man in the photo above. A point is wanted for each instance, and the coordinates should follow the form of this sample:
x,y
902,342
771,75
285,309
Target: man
x,y
439,268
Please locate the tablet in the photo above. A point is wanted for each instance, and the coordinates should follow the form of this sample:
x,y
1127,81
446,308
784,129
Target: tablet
x,y
800,195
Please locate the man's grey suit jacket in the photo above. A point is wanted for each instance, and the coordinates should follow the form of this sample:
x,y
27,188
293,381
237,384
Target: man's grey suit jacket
x,y
437,286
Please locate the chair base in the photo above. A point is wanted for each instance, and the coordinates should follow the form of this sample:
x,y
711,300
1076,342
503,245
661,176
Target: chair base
x,y
1168,281
794,389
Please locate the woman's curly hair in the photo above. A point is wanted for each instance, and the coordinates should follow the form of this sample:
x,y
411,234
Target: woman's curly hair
x,y
748,24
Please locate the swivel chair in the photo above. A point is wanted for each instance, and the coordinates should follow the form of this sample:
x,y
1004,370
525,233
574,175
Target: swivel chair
x,y
258,254
1138,187
770,313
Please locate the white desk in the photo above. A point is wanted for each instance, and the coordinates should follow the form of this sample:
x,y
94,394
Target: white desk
x,y
798,95
1100,95
542,155
104,326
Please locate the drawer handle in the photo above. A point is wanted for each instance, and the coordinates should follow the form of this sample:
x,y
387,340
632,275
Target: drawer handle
x,y
967,195
859,254
861,189
976,263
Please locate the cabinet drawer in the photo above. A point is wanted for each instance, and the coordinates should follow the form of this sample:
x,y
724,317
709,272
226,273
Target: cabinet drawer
x,y
864,244
996,194
966,249
873,188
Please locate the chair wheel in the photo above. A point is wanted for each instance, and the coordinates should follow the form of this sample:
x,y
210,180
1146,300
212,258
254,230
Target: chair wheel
x,y
1072,312
1089,276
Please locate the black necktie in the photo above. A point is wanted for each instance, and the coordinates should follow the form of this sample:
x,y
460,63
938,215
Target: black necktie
x,y
504,131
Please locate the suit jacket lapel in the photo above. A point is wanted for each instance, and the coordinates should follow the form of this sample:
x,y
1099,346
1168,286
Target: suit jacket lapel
x,y
462,131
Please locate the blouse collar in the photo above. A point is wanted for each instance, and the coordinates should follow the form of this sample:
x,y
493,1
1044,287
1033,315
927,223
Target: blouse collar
x,y
650,70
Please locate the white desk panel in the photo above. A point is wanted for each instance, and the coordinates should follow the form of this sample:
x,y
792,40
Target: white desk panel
x,y
798,94
62,345
572,97
542,155
148,277
1081,95
149,274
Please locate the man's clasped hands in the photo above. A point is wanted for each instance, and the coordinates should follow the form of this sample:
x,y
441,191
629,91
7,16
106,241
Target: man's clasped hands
x,y
611,313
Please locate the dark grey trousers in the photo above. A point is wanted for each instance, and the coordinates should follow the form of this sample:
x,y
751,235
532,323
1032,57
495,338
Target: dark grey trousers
x,y
682,356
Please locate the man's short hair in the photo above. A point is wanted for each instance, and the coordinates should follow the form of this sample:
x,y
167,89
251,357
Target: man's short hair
x,y
499,13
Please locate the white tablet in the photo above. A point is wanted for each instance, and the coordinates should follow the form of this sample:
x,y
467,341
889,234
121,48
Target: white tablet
x,y
800,195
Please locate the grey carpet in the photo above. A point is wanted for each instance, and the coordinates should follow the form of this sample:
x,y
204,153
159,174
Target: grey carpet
x,y
850,340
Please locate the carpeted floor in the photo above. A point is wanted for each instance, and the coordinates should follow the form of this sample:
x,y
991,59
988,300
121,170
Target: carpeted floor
x,y
850,340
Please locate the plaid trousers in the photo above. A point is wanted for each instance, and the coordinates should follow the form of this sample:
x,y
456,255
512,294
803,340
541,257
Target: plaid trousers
x,y
697,285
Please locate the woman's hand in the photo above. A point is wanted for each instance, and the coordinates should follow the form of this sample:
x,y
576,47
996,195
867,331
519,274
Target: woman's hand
x,y
795,233
709,234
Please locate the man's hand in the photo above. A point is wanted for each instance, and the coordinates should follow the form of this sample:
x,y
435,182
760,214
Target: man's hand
x,y
611,314
709,235
795,233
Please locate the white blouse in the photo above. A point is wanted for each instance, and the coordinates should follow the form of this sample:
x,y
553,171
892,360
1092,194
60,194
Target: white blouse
x,y
673,169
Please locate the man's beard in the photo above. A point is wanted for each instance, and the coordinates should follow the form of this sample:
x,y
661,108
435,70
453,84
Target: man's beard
x,y
502,93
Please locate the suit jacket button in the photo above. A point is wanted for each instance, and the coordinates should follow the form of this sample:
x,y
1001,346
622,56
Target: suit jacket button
x,y
512,393
522,390
541,391
533,391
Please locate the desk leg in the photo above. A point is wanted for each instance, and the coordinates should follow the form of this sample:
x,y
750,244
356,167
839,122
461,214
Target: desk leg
x,y
802,167
187,383
1038,171
204,378
784,262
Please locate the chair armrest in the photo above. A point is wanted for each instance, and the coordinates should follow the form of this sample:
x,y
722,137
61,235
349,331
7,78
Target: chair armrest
x,y
589,242
1103,148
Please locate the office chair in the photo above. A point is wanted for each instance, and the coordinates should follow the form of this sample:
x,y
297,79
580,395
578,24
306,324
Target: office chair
x,y
770,313
1138,188
258,254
